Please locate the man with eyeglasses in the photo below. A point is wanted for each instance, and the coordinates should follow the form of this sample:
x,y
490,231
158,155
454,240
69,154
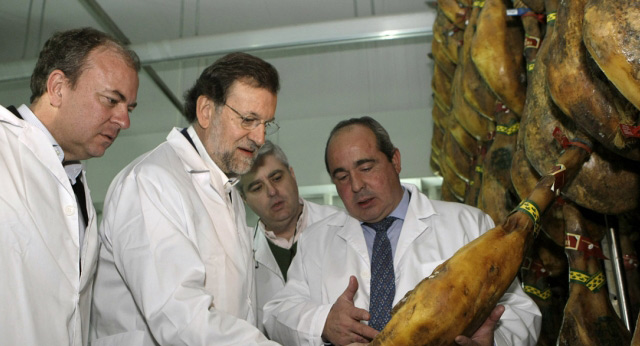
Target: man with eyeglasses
x,y
176,265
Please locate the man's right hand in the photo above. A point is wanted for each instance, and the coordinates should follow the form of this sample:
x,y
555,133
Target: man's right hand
x,y
343,324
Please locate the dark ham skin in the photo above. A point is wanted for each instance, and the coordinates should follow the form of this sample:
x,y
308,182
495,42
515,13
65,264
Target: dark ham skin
x,y
607,183
497,194
589,318
461,162
453,11
523,176
538,6
441,59
441,86
582,91
541,270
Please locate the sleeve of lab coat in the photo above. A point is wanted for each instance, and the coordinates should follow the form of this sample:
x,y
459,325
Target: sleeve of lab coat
x,y
521,322
160,264
291,317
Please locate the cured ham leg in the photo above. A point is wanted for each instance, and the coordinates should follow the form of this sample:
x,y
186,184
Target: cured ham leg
x,y
537,272
589,318
474,89
496,51
497,195
460,293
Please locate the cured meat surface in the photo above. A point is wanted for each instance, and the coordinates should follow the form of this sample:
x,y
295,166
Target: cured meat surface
x,y
589,318
496,51
612,37
459,295
582,91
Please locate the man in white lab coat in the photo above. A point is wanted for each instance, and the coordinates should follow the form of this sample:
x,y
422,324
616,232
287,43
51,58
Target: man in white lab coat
x,y
83,86
340,251
270,189
176,264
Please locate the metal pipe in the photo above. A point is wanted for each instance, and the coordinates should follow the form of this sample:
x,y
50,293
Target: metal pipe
x,y
101,16
617,265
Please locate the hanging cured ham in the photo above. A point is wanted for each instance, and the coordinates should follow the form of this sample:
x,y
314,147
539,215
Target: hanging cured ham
x,y
497,195
453,11
474,90
496,51
612,36
582,91
589,318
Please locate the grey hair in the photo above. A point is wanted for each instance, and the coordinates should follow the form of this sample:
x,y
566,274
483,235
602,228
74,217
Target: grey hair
x,y
268,148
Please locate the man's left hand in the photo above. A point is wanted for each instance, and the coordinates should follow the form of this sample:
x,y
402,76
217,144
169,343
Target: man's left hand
x,y
484,335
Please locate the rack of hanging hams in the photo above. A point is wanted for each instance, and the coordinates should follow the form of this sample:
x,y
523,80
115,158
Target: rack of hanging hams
x,y
536,122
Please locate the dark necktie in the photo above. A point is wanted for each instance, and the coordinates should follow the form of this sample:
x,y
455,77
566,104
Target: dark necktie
x,y
383,287
78,189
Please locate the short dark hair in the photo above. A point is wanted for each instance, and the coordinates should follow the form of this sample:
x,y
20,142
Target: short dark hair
x,y
383,141
215,80
67,51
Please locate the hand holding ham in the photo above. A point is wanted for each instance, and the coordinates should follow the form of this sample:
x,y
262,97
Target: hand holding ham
x,y
343,324
484,335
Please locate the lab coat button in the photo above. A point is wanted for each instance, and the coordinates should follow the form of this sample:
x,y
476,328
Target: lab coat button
x,y
69,210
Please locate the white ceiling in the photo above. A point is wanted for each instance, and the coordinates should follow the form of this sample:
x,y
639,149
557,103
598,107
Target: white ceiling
x,y
337,59
26,24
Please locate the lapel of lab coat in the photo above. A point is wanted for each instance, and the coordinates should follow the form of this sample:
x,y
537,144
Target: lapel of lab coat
x,y
212,192
65,252
264,256
415,222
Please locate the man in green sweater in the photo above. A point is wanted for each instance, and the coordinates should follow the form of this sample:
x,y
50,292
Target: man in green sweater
x,y
271,191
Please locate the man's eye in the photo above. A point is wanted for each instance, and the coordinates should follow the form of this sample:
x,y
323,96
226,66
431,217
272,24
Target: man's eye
x,y
249,122
341,177
108,100
276,177
255,188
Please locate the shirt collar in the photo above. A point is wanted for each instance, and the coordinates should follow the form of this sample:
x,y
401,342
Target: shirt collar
x,y
401,210
300,226
73,170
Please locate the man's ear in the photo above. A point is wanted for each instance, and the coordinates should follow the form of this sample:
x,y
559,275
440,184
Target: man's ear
x,y
293,174
56,83
205,110
395,160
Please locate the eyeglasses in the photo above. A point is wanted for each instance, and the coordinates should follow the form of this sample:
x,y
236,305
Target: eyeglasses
x,y
250,123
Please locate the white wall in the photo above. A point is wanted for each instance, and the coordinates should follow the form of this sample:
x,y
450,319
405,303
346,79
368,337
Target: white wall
x,y
388,80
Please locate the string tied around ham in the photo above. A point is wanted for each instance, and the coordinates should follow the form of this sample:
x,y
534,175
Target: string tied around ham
x,y
583,244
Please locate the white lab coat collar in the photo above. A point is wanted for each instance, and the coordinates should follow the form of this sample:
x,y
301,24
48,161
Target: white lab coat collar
x,y
73,170
216,186
415,223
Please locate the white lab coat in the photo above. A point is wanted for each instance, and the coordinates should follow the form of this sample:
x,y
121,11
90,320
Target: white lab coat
x,y
333,249
269,279
176,264
44,299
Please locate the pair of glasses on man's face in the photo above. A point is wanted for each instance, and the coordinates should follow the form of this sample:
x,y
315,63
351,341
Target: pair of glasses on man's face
x,y
249,123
